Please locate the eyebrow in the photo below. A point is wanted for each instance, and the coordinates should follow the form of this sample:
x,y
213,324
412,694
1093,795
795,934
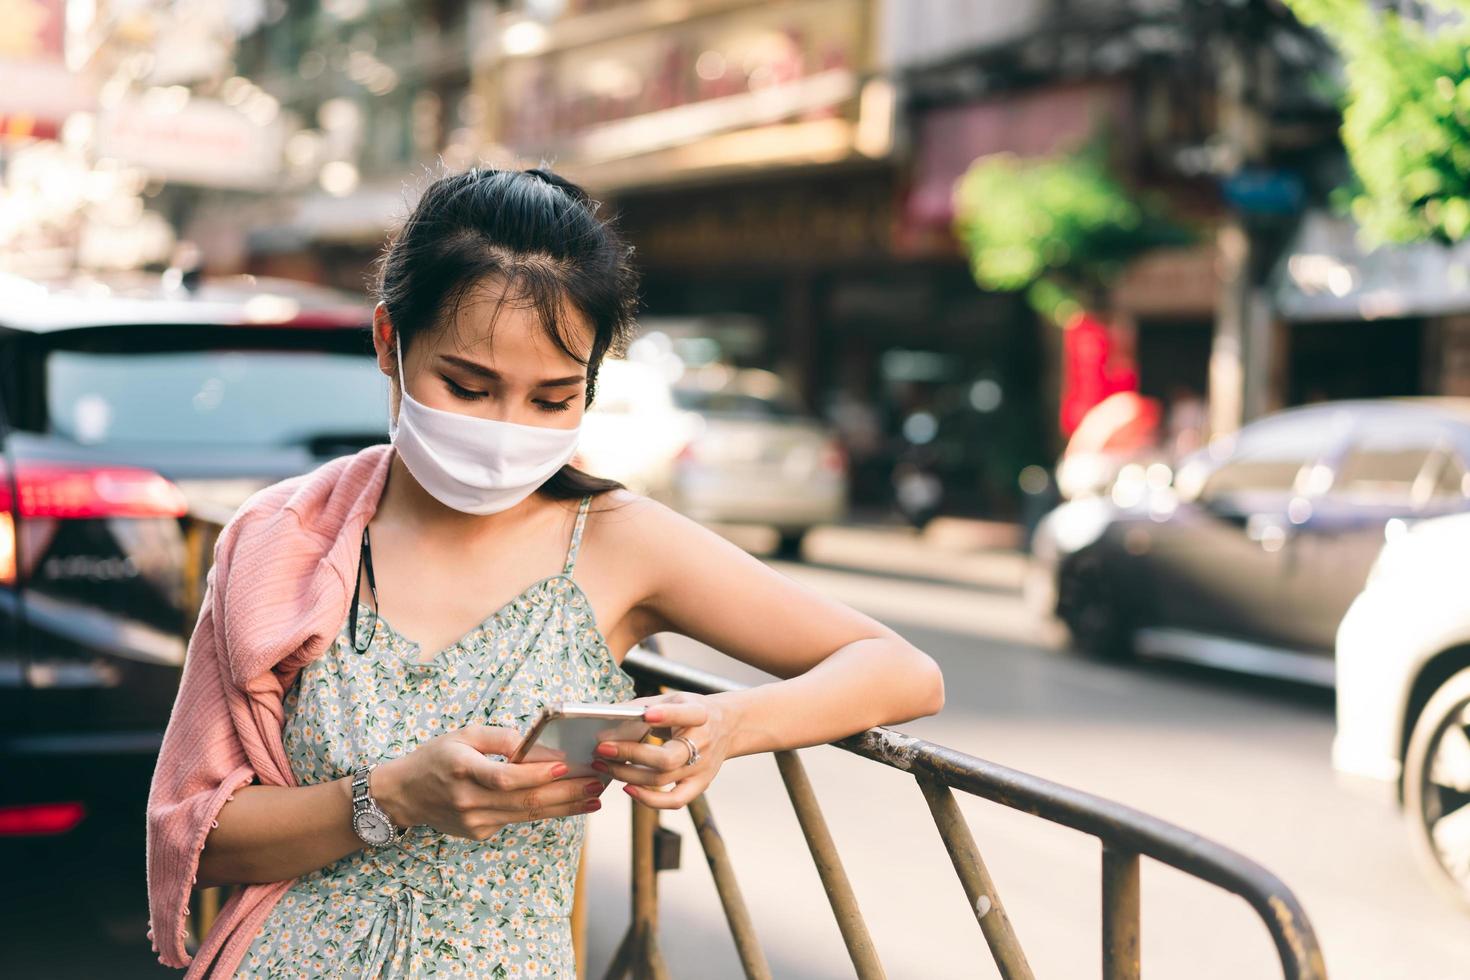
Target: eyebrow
x,y
484,372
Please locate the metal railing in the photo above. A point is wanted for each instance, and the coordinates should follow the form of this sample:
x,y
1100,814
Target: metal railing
x,y
1125,834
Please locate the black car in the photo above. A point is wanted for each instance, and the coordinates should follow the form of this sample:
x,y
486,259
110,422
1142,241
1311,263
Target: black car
x,y
138,413
1248,555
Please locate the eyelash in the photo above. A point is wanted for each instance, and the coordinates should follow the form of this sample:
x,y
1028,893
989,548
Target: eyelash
x,y
471,396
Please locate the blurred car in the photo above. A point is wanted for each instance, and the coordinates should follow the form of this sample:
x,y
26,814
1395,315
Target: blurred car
x,y
633,432
756,458
1403,691
139,412
1248,557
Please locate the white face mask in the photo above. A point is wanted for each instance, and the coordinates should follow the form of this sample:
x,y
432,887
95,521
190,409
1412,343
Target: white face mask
x,y
475,465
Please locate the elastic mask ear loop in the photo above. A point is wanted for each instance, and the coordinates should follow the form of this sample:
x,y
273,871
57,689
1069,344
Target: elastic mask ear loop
x,y
402,387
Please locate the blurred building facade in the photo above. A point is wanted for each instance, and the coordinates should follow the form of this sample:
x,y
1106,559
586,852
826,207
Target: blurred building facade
x,y
786,171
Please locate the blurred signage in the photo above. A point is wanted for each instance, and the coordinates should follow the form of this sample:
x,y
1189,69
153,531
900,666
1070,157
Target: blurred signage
x,y
1033,123
920,32
1258,190
803,220
669,85
1170,282
202,142
37,92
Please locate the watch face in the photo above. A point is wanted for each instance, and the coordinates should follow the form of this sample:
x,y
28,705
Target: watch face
x,y
372,827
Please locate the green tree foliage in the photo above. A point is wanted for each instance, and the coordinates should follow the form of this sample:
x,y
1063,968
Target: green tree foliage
x,y
1406,115
1059,227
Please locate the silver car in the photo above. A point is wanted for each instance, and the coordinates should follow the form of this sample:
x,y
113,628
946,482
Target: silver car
x,y
756,458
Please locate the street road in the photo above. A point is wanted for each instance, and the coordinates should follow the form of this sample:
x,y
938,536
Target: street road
x,y
1242,762
1236,760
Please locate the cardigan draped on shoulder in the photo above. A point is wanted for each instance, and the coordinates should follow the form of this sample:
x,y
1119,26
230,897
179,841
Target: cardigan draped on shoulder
x,y
276,597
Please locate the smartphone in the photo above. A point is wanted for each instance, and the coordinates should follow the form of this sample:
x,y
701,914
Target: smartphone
x,y
571,730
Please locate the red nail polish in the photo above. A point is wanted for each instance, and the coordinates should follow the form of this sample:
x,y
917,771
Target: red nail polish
x,y
560,769
604,749
593,788
601,766
630,791
591,805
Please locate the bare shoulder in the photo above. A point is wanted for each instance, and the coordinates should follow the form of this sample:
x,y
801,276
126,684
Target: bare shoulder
x,y
642,531
628,519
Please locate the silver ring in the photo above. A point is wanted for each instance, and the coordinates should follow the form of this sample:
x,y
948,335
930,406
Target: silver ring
x,y
693,750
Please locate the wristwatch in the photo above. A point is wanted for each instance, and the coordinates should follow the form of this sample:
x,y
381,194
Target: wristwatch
x,y
372,825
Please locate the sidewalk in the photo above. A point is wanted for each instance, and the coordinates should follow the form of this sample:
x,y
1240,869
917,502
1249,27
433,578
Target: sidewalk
x,y
949,550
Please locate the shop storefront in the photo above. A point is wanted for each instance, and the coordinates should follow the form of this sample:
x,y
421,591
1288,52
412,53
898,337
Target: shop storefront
x,y
1359,323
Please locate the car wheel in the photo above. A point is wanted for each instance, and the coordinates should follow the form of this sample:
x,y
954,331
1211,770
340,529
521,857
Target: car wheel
x,y
789,545
1094,610
1437,786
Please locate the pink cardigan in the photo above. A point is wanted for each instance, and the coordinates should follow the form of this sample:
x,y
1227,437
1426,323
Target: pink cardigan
x,y
276,598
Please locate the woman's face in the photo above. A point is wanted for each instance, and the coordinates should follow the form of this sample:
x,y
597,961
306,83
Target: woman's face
x,y
512,372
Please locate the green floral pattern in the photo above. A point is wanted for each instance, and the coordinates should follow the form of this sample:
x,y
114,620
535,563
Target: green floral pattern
x,y
435,905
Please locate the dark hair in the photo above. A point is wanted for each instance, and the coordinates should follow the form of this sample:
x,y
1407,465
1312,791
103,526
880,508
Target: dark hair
x,y
537,232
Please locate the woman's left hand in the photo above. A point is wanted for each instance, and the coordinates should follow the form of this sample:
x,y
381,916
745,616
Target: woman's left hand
x,y
644,767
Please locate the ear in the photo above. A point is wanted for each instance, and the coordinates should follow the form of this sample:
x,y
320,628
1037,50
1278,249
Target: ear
x,y
383,332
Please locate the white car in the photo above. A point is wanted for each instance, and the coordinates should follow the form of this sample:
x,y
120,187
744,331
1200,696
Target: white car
x,y
633,432
1403,690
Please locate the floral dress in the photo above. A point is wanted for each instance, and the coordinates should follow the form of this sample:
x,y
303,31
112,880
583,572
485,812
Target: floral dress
x,y
435,905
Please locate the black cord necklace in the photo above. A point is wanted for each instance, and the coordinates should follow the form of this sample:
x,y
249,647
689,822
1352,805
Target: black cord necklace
x,y
365,560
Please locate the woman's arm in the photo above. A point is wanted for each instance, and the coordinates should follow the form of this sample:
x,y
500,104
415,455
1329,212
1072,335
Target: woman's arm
x,y
844,671
275,833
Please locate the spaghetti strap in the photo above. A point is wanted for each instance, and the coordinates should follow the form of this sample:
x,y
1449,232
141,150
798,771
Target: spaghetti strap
x,y
576,536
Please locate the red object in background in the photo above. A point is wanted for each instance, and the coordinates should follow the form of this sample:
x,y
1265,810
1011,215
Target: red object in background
x,y
1121,424
1090,371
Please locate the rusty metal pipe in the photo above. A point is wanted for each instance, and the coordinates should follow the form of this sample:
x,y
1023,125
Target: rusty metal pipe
x,y
1120,914
1122,826
829,866
742,930
975,878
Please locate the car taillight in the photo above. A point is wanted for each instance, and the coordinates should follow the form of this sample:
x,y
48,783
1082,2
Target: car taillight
x,y
35,819
69,491
43,493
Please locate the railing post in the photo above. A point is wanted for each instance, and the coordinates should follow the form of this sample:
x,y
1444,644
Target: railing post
x,y
829,866
742,930
638,954
1120,913
975,878
1127,835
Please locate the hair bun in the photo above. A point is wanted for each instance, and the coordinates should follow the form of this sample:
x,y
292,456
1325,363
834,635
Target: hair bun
x,y
558,181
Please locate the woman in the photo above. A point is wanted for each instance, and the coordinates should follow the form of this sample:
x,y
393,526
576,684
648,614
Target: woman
x,y
347,761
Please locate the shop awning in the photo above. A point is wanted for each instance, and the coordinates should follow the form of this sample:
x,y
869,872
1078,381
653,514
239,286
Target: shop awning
x,y
1327,275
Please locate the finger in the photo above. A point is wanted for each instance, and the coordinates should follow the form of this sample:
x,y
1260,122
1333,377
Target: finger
x,y
542,753
672,799
534,803
506,804
669,755
489,738
684,714
495,775
643,776
499,818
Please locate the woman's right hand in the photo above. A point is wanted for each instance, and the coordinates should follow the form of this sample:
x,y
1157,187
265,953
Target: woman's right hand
x,y
450,784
